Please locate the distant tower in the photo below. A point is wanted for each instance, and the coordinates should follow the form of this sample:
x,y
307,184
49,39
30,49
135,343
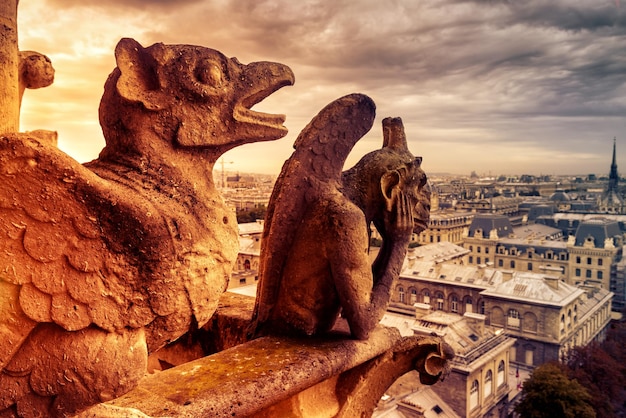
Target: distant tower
x,y
613,176
611,201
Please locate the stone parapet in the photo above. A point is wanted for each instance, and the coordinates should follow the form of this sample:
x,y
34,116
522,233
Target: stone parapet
x,y
279,376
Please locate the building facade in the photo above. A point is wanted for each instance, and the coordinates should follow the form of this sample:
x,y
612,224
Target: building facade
x,y
590,256
446,226
546,315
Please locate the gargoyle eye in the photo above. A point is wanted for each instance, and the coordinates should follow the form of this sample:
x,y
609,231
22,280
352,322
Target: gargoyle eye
x,y
209,73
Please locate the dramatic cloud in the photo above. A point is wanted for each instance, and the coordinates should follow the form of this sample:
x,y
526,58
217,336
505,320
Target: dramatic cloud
x,y
493,86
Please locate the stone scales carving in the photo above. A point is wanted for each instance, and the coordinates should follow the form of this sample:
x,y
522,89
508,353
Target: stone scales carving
x,y
103,263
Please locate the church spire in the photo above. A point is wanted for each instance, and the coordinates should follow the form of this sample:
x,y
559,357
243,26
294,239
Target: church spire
x,y
613,176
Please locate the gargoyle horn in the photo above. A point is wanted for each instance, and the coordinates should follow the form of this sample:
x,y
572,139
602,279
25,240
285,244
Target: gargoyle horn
x,y
393,134
138,80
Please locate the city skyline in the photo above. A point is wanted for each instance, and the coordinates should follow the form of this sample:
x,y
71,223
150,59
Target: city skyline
x,y
487,86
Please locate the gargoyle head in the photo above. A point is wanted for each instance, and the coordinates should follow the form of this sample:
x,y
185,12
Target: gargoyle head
x,y
405,174
388,173
191,95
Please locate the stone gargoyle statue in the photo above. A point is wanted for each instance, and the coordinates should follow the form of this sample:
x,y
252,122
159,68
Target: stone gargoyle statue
x,y
314,251
103,263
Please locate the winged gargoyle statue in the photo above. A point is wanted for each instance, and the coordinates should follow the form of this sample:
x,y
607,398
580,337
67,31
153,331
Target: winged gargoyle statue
x,y
314,250
102,263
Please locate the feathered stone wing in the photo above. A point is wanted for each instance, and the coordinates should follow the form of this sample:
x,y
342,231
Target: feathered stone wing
x,y
55,264
313,170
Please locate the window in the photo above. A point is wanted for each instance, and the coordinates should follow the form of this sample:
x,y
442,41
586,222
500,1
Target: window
x,y
577,259
488,383
471,259
529,356
513,318
246,265
482,307
401,294
426,297
439,297
454,304
478,260
569,319
588,260
486,260
512,264
577,273
530,266
474,395
500,263
468,304
471,248
478,250
530,322
599,261
588,274
413,296
486,250
599,275
500,381
242,281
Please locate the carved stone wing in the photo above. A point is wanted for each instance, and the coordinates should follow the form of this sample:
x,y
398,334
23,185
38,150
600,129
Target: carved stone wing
x,y
314,168
55,265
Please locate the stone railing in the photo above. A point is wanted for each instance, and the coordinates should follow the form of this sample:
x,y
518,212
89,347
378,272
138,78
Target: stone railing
x,y
334,376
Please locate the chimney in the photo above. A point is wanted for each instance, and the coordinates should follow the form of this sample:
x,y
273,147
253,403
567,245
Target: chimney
x,y
552,281
506,275
421,310
476,321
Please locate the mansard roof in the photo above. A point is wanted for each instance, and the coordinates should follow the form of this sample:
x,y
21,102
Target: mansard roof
x,y
436,251
540,210
535,288
560,196
487,222
596,230
459,275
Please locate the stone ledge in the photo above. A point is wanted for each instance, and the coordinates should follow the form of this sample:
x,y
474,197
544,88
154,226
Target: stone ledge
x,y
250,377
270,375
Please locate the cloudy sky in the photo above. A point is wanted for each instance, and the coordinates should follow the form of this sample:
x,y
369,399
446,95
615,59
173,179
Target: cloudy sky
x,y
518,86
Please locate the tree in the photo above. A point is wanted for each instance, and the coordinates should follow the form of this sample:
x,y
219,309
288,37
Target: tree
x,y
602,374
251,215
549,393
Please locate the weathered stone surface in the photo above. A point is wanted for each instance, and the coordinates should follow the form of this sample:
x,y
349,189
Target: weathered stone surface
x,y
314,255
124,254
35,71
329,376
9,62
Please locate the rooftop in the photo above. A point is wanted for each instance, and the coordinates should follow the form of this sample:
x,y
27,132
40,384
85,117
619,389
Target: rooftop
x,y
479,276
435,252
535,288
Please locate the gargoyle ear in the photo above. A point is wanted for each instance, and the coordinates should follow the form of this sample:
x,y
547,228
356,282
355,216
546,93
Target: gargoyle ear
x,y
390,187
139,80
